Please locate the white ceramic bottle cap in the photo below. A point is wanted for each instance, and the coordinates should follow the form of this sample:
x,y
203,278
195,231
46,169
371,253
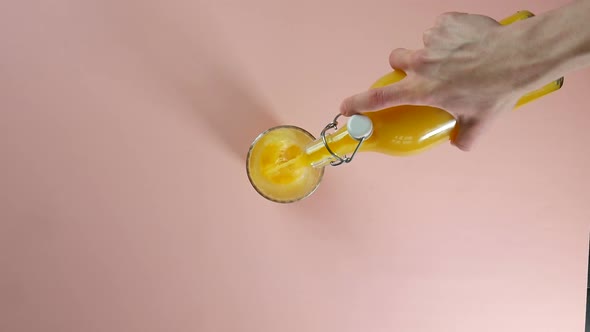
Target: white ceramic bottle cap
x,y
359,127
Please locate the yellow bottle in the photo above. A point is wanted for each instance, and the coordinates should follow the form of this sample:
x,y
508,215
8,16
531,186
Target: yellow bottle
x,y
402,130
287,163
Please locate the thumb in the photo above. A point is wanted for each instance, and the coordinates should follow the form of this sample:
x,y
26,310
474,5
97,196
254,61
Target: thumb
x,y
469,132
376,99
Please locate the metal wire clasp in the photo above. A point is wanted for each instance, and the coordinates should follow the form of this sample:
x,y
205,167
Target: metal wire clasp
x,y
339,160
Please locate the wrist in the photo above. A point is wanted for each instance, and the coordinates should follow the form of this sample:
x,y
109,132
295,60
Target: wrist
x,y
531,54
550,45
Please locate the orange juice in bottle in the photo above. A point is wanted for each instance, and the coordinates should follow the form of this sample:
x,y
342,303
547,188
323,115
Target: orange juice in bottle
x,y
287,163
397,131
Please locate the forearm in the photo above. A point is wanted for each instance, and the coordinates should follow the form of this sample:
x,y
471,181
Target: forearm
x,y
554,43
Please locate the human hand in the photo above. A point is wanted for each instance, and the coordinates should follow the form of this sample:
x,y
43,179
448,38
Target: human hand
x,y
470,66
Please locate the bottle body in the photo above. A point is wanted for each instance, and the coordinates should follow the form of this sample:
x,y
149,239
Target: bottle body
x,y
402,130
408,130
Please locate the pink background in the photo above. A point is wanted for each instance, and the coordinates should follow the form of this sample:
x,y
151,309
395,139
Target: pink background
x,y
125,206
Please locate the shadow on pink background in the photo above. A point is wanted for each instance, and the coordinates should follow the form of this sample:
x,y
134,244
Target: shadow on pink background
x,y
125,205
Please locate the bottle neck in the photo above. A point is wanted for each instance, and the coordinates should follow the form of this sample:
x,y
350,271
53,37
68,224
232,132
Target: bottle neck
x,y
340,142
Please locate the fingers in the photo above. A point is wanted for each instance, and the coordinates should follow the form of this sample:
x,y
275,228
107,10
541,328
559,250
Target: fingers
x,y
449,17
376,99
427,36
401,58
470,130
